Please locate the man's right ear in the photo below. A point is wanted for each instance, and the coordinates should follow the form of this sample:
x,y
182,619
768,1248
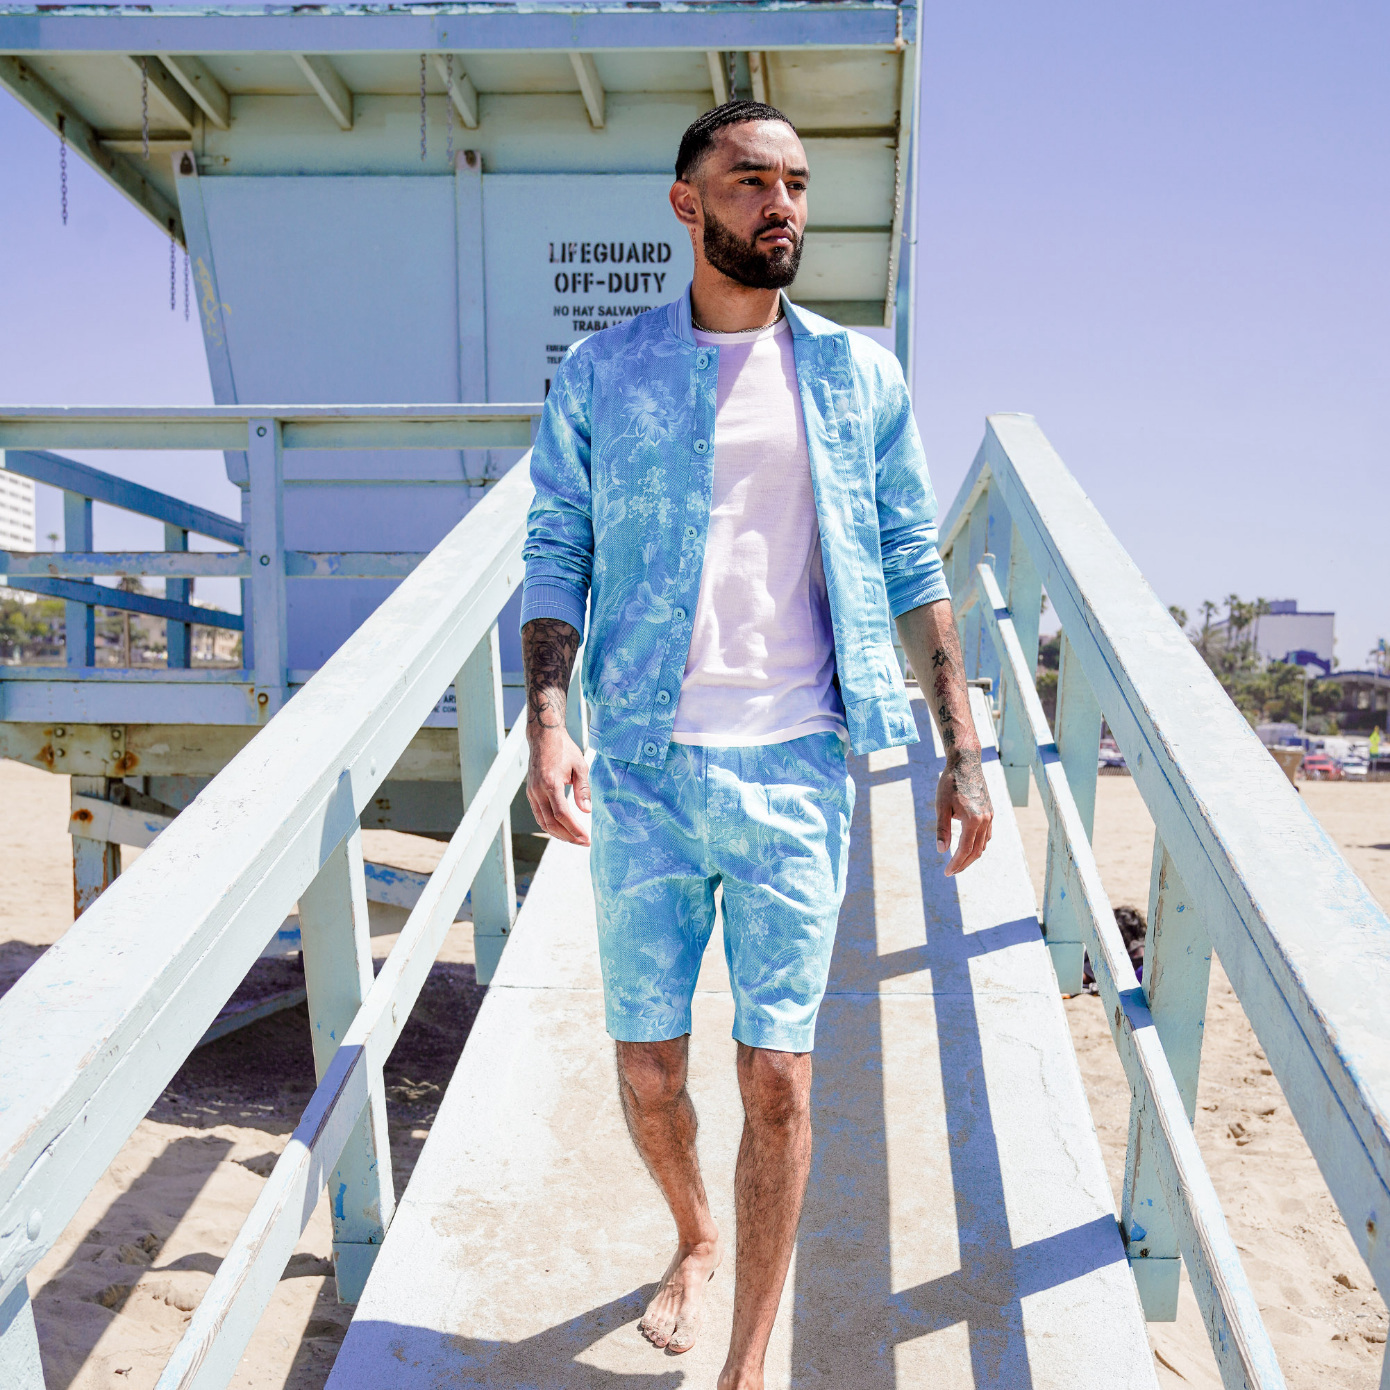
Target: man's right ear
x,y
684,204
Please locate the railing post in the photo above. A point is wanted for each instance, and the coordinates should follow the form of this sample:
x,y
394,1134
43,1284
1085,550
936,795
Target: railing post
x,y
96,864
178,637
1076,730
1177,971
1024,597
20,1366
79,619
999,538
478,695
337,952
266,542
977,543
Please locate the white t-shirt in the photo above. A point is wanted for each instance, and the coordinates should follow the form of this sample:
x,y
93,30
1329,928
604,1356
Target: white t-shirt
x,y
762,655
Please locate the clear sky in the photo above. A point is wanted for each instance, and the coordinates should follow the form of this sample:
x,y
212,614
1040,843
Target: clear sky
x,y
1160,228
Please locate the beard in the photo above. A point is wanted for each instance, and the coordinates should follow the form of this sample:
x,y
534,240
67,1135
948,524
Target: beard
x,y
744,262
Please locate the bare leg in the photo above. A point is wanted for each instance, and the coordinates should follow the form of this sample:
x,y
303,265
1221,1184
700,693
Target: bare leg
x,y
774,1163
661,1119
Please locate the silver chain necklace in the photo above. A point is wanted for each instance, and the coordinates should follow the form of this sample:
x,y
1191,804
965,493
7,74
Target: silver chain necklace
x,y
734,332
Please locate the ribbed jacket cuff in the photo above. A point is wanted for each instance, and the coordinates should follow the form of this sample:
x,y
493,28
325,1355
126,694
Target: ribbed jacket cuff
x,y
543,600
903,600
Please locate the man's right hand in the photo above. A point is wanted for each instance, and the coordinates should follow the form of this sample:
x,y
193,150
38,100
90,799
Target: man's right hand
x,y
557,764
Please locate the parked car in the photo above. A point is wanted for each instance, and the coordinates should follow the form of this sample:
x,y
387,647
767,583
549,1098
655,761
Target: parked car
x,y
1318,767
1110,755
1354,769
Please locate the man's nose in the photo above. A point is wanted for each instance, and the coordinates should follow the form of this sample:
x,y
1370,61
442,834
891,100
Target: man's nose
x,y
779,203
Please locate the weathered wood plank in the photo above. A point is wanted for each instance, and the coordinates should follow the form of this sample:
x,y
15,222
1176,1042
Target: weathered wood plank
x,y
1078,741
1023,592
337,952
20,1366
1177,970
265,541
303,427
93,483
82,593
167,564
478,696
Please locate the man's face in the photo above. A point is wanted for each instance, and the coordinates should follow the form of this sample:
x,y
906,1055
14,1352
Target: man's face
x,y
748,209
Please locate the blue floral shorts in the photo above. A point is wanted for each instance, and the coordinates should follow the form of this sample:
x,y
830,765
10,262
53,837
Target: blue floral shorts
x,y
770,825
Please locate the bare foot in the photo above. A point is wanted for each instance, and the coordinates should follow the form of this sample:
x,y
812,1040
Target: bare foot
x,y
733,1379
673,1316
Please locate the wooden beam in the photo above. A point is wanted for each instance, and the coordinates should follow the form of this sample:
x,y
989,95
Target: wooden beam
x,y
590,86
718,77
194,76
757,74
333,91
132,179
461,90
126,143
177,104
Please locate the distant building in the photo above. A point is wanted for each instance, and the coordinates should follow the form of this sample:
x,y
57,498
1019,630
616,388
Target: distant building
x,y
1365,702
1284,630
17,521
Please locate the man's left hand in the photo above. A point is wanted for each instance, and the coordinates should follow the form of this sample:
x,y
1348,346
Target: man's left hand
x,y
961,795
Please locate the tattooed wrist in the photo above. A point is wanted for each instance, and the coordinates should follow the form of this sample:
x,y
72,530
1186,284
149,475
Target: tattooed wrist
x,y
548,647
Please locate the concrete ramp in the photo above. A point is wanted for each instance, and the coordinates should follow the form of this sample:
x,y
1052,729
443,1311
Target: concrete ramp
x,y
959,1230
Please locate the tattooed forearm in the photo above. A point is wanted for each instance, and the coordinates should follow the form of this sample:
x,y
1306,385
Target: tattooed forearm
x,y
548,647
933,651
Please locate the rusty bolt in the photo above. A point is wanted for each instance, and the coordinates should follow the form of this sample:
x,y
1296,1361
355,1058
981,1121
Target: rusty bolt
x,y
82,814
62,752
262,698
60,733
115,733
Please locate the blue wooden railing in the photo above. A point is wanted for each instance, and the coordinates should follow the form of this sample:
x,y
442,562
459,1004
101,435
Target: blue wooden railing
x,y
69,575
1239,865
94,1031
260,436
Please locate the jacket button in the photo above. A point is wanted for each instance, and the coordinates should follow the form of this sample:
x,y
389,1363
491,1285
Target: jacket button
x,y
691,533
649,749
702,446
663,697
702,360
678,614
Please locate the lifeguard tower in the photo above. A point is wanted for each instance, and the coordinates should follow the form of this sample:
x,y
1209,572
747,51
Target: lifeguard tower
x,y
412,208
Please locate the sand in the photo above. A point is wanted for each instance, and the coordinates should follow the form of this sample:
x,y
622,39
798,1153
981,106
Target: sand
x,y
117,1290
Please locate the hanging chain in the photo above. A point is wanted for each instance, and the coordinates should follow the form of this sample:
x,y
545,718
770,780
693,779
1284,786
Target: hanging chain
x,y
145,107
185,284
422,108
449,109
63,163
173,253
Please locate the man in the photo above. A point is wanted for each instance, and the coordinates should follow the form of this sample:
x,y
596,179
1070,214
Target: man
x,y
736,489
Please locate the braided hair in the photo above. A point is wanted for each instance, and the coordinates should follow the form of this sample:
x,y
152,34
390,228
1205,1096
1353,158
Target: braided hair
x,y
699,137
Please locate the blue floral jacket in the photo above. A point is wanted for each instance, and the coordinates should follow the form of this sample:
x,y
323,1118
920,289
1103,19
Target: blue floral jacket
x,y
623,470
